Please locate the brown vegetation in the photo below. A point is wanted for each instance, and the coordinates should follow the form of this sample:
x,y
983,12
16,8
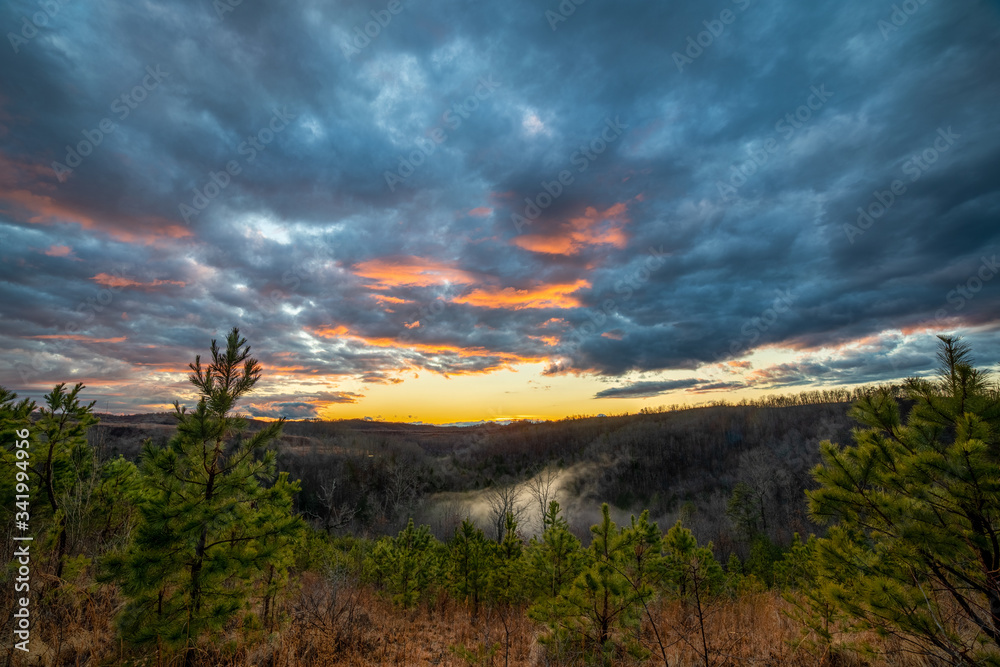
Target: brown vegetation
x,y
336,622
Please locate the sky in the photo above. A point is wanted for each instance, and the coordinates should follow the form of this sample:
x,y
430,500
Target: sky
x,y
455,211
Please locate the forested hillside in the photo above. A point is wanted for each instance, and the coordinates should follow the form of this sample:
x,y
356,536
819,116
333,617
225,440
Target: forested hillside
x,y
709,536
367,478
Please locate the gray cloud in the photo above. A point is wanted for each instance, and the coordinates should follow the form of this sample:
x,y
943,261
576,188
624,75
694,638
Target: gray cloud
x,y
646,389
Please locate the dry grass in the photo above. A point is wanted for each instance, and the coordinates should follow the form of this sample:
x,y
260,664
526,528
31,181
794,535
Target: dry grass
x,y
331,622
755,630
378,633
69,627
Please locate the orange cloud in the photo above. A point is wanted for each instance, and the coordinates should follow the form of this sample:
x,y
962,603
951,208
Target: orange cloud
x,y
80,337
282,369
417,271
552,245
481,211
331,331
503,359
343,332
42,209
18,171
551,341
592,228
117,281
381,298
430,348
411,271
559,295
59,251
23,193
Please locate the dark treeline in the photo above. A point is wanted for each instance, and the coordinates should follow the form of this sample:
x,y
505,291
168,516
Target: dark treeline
x,y
672,461
367,478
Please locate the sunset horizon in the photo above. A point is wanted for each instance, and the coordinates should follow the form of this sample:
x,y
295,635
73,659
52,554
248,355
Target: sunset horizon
x,y
415,216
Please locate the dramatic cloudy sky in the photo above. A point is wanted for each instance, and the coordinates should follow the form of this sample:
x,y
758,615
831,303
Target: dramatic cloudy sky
x,y
495,209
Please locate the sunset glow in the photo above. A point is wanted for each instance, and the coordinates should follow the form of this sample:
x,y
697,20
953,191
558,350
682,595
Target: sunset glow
x,y
493,214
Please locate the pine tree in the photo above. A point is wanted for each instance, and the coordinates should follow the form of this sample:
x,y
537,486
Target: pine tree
x,y
744,510
111,508
600,606
691,573
643,556
63,458
506,576
555,559
56,464
798,575
407,565
687,568
210,525
506,588
471,558
914,511
642,547
18,446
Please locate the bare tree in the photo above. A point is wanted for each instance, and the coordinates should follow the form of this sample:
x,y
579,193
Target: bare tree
x,y
329,607
333,515
762,473
504,499
401,491
542,490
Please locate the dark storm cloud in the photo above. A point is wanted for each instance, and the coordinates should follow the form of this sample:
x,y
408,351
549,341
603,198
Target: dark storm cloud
x,y
644,389
291,410
716,386
256,163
